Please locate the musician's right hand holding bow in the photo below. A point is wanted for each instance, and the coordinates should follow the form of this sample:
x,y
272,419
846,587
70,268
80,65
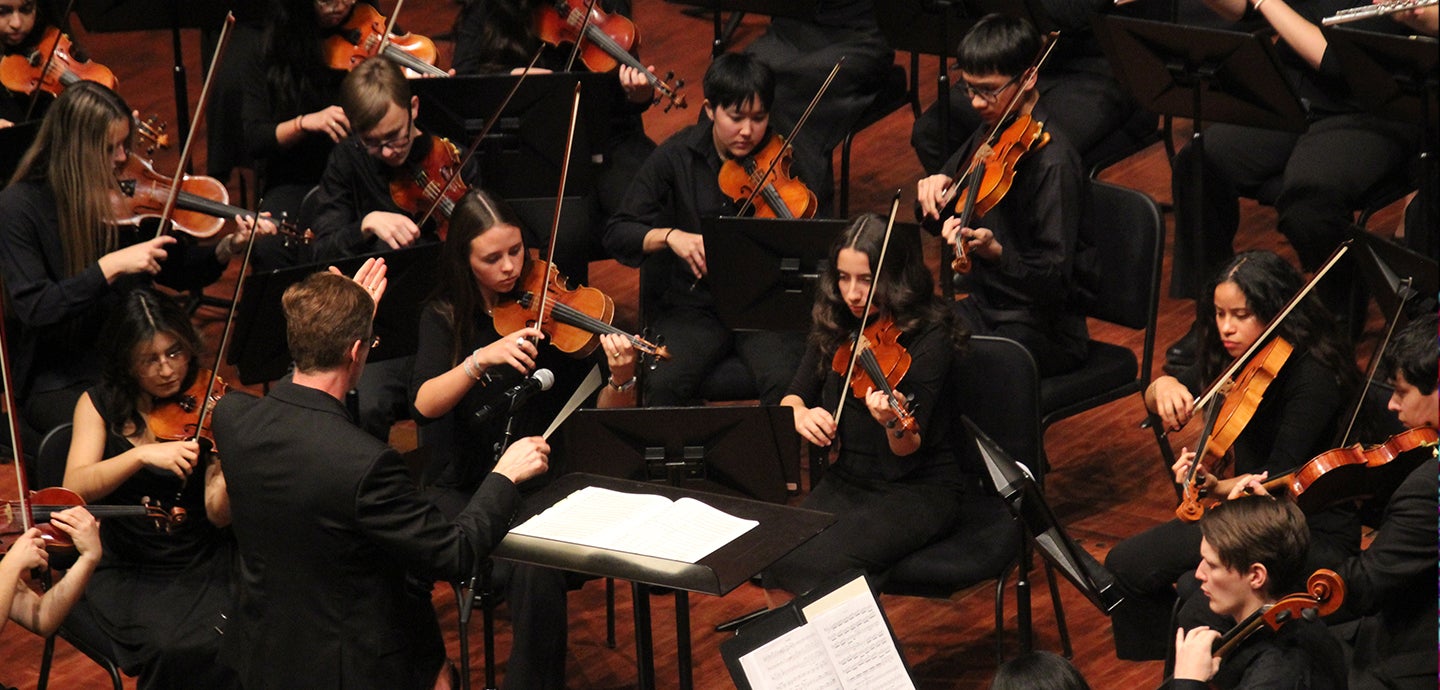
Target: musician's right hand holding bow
x,y
815,424
1172,400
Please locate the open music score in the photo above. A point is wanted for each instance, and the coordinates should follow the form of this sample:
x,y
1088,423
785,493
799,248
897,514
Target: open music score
x,y
684,530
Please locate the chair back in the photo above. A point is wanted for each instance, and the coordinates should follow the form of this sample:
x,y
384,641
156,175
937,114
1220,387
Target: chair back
x,y
1126,227
50,457
998,388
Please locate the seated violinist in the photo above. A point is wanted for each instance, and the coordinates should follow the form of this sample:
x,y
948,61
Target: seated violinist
x,y
22,24
1387,620
464,363
355,213
1025,276
1292,423
1252,553
161,592
659,224
894,487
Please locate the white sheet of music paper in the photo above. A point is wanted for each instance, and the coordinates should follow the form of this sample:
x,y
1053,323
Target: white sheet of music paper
x,y
685,530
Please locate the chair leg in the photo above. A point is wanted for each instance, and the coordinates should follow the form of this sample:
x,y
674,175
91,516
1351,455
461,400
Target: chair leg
x,y
1065,646
487,616
45,659
1167,452
463,602
610,612
1000,617
1022,599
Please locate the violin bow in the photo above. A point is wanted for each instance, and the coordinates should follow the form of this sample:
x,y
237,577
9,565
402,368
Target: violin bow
x,y
13,418
475,143
49,61
221,43
789,140
389,27
1404,292
580,35
869,302
1270,328
559,204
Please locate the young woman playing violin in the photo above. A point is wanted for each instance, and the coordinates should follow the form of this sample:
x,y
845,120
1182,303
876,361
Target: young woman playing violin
x,y
1023,283
1251,555
893,488
158,593
64,260
1295,420
463,365
21,26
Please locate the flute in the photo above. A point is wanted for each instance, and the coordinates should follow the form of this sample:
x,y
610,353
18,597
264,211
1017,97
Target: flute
x,y
1358,13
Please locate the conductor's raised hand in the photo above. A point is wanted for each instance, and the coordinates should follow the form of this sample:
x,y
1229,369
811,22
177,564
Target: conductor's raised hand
x,y
524,459
371,276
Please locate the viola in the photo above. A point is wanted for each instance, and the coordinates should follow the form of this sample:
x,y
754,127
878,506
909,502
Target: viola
x,y
362,35
202,206
609,42
46,502
883,363
781,195
1244,397
51,67
1356,472
418,187
574,319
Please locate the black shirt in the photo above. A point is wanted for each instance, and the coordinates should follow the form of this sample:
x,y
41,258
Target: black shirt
x,y
1300,655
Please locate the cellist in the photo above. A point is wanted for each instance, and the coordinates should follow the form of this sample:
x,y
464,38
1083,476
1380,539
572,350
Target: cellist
x,y
1023,282
1292,423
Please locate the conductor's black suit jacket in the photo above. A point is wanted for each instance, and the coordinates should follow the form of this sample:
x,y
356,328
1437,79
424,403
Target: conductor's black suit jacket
x,y
333,537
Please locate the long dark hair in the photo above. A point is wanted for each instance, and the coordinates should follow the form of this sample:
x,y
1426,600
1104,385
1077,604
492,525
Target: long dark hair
x,y
1268,282
294,62
458,298
905,291
142,315
506,38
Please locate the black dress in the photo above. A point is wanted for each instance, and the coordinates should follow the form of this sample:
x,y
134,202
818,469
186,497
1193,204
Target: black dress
x,y
886,506
162,595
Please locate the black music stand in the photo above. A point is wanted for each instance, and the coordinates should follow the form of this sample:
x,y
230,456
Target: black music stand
x,y
781,529
1395,76
763,270
1395,273
1204,74
523,154
1016,485
260,352
751,451
112,16
796,9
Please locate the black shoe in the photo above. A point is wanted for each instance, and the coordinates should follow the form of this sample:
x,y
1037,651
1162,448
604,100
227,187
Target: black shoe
x,y
1181,353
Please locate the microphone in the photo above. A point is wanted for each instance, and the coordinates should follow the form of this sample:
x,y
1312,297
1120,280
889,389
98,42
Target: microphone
x,y
540,380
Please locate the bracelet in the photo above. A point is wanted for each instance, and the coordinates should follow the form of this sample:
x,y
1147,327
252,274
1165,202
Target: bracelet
x,y
471,369
666,239
622,387
300,120
1257,4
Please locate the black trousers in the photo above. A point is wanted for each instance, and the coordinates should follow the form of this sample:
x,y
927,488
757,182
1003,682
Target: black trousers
x,y
698,342
1326,173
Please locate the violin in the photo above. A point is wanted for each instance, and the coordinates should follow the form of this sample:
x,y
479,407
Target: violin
x,y
431,181
46,502
989,177
51,67
362,37
1356,472
780,194
202,205
608,42
182,417
1324,594
574,319
883,363
1244,395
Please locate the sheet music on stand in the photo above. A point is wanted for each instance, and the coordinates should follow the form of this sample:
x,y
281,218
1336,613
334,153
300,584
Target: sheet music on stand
x,y
835,637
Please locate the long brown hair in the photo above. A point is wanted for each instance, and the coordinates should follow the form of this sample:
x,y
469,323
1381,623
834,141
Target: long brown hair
x,y
458,297
72,154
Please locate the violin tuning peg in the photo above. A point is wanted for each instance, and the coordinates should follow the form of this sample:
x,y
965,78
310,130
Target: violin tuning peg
x,y
679,84
669,75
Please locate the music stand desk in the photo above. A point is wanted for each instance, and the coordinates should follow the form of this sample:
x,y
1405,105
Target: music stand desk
x,y
781,529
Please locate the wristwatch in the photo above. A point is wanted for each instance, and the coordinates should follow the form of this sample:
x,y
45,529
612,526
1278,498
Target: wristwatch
x,y
622,387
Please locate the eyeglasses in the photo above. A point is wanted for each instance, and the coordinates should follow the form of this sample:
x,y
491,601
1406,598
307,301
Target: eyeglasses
x,y
990,95
177,358
394,143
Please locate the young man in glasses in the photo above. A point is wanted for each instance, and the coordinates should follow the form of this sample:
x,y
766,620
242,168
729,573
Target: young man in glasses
x,y
1024,278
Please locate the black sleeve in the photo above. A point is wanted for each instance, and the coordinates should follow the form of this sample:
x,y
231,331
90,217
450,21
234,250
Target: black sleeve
x,y
258,114
930,358
1308,404
337,218
36,298
189,265
808,378
432,355
1402,552
1041,271
647,205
